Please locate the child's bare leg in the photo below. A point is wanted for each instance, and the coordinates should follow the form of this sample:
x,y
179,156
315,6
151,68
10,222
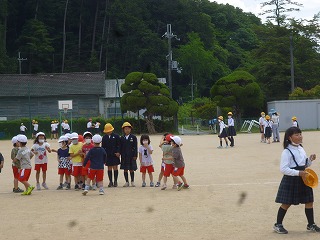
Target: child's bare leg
x,y
151,177
61,179
44,176
160,176
26,184
15,183
37,176
184,180
143,177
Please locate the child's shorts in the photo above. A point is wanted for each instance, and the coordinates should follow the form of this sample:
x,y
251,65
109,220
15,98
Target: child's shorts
x,y
96,173
162,167
85,169
168,168
15,171
76,171
43,166
24,175
144,169
178,172
65,171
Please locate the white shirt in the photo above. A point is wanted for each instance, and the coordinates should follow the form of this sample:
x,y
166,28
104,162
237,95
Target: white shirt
x,y
35,127
230,122
97,125
41,156
261,121
266,124
221,126
66,126
275,119
53,127
287,160
294,124
89,125
22,128
146,159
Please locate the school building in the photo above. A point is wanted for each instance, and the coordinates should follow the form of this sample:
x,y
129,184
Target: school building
x,y
306,111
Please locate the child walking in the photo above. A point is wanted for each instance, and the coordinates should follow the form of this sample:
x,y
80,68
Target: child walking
x,y
267,129
24,155
64,163
178,163
168,160
292,190
146,163
87,146
129,152
231,129
223,132
40,148
76,154
261,122
16,166
97,156
162,140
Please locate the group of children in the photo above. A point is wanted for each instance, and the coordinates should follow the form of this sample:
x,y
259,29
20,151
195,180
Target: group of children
x,y
84,157
227,133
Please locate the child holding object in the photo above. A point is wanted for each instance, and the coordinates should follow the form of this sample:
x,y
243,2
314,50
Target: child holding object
x,y
146,162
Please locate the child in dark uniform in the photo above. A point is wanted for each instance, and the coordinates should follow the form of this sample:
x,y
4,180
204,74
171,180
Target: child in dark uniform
x,y
267,129
231,130
129,153
292,189
223,132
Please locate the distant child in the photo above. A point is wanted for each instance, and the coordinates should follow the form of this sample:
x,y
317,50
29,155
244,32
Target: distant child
x,y
76,154
87,146
267,129
162,141
97,156
66,127
64,163
178,163
56,131
97,127
167,160
292,190
223,132
294,122
111,144
35,125
24,155
129,152
261,125
16,166
231,129
146,163
40,148
23,129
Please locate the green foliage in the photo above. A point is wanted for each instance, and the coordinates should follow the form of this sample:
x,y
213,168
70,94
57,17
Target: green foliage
x,y
298,93
239,90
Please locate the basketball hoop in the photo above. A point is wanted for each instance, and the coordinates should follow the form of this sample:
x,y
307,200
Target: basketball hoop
x,y
65,110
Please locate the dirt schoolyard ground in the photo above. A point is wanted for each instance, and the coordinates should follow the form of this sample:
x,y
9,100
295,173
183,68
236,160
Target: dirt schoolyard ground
x,y
231,197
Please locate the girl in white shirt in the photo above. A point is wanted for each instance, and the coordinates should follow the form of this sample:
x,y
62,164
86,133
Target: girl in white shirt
x,y
292,189
223,132
231,129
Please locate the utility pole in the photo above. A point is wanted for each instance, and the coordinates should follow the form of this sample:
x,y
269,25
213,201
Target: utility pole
x,y
292,63
20,61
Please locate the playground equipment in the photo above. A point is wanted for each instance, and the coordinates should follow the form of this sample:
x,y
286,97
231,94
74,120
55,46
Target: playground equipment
x,y
248,124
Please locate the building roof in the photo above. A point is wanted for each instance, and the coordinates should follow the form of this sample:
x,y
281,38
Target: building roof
x,y
84,83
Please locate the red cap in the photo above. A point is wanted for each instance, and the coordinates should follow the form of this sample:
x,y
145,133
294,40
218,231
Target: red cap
x,y
168,137
80,138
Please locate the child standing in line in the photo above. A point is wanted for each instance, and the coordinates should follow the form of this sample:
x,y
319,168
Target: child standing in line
x,y
267,129
178,163
40,148
23,129
231,129
162,140
223,132
64,163
87,146
15,165
294,122
97,156
129,152
168,160
76,154
146,163
24,155
292,189
261,123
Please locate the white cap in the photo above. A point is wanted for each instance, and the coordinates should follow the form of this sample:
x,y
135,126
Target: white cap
x,y
14,140
63,139
177,140
68,135
40,133
97,138
84,134
74,135
22,138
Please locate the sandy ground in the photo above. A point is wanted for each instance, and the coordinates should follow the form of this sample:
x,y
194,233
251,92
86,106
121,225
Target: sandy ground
x,y
213,208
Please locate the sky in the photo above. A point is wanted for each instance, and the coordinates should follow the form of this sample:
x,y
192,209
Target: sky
x,y
309,9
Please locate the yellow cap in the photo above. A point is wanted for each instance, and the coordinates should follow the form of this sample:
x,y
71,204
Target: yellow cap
x,y
262,113
108,128
230,113
268,117
126,124
294,118
220,118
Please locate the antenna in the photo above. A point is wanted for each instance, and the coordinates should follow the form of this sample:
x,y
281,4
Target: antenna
x,y
20,61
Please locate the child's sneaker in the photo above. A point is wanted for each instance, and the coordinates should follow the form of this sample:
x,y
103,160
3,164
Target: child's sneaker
x,y
85,192
25,193
68,186
164,187
94,187
132,184
151,184
220,147
44,185
180,186
186,186
174,186
65,184
227,146
38,186
144,184
101,191
157,184
29,190
76,187
126,184
60,187
278,228
18,190
313,227
110,184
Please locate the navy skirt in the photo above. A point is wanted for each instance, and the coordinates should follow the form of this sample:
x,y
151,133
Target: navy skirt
x,y
223,134
268,132
231,131
128,163
112,161
293,191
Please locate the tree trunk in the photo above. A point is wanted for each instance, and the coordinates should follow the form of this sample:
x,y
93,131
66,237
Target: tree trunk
x,y
102,37
80,34
94,28
107,46
37,7
64,35
150,125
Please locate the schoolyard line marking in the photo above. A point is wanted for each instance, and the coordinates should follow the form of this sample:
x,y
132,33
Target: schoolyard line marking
x,y
235,184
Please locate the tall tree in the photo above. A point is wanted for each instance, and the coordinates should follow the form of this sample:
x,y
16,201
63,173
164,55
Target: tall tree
x,y
278,9
64,35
